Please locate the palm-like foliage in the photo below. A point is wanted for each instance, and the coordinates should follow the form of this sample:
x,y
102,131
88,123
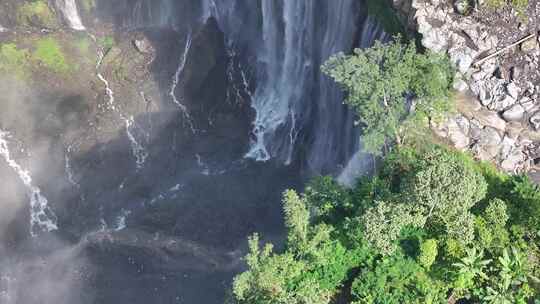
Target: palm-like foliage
x,y
473,263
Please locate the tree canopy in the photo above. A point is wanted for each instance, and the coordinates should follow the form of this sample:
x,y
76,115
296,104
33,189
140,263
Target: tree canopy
x,y
393,89
406,235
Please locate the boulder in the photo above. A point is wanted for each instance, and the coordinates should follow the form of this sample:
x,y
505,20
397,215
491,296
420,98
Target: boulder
x,y
458,130
143,46
490,119
514,113
513,90
462,7
513,160
501,104
535,121
514,129
489,90
529,45
488,146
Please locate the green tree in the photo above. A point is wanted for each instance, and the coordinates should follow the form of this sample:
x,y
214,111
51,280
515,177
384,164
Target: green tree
x,y
447,186
274,279
381,80
428,253
382,224
396,280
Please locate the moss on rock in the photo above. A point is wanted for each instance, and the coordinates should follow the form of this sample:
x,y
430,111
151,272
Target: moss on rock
x,y
13,60
36,13
49,52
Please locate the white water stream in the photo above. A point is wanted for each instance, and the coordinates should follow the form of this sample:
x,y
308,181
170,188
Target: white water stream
x,y
42,218
68,169
71,14
139,152
176,79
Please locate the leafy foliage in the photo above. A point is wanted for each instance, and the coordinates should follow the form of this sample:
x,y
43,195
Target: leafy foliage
x,y
428,253
519,5
396,280
388,240
382,224
380,82
13,60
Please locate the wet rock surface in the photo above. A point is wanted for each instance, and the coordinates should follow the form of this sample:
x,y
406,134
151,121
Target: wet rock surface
x,y
153,202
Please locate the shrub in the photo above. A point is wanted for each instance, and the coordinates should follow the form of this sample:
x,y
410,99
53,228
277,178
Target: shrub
x,y
13,60
428,253
36,13
49,52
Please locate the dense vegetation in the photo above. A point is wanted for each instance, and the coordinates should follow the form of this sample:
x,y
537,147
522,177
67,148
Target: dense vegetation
x,y
36,13
432,225
395,90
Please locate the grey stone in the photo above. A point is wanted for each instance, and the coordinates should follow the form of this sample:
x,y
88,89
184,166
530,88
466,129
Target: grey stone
x,y
513,160
502,104
461,85
515,72
463,7
513,90
529,45
458,129
143,46
535,121
514,113
488,146
490,119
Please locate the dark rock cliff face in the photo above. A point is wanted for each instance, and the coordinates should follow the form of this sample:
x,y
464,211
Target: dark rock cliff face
x,y
136,153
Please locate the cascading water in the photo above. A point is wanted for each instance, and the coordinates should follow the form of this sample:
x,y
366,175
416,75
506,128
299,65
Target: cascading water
x,y
175,81
42,218
68,169
298,111
139,152
71,14
288,64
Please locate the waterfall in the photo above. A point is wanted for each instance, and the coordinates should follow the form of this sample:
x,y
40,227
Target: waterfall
x,y
41,215
297,109
176,79
68,169
2,29
289,64
139,152
71,14
150,13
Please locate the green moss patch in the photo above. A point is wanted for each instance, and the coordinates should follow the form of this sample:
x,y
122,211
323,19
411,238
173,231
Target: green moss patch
x,y
49,52
13,61
88,5
36,13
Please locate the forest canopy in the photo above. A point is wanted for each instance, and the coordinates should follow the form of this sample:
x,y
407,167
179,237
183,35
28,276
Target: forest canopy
x,y
432,226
